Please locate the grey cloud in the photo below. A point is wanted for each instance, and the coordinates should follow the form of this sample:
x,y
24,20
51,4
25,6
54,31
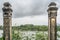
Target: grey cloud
x,y
36,7
1,3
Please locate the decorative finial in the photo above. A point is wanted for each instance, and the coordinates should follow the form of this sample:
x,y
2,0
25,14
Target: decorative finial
x,y
7,4
52,4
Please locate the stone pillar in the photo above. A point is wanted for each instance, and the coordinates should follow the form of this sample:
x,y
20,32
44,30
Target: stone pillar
x,y
7,21
52,24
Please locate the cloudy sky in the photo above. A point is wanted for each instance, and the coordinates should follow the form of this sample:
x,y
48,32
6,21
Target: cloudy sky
x,y
29,11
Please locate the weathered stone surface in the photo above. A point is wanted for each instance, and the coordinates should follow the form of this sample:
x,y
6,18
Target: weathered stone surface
x,y
7,21
52,30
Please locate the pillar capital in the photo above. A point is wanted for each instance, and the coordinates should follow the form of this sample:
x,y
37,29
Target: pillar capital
x,y
52,7
7,7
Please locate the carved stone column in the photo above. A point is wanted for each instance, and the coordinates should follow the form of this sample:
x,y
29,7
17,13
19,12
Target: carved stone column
x,y
52,24
7,21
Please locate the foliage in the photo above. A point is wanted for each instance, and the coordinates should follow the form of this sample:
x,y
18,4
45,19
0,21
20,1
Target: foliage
x,y
31,27
1,38
16,36
58,28
41,36
1,27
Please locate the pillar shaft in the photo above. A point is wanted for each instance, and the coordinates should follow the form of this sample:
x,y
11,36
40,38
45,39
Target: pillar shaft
x,y
52,29
7,28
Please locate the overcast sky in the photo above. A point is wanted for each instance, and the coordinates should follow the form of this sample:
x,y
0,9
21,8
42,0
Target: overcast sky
x,y
29,11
